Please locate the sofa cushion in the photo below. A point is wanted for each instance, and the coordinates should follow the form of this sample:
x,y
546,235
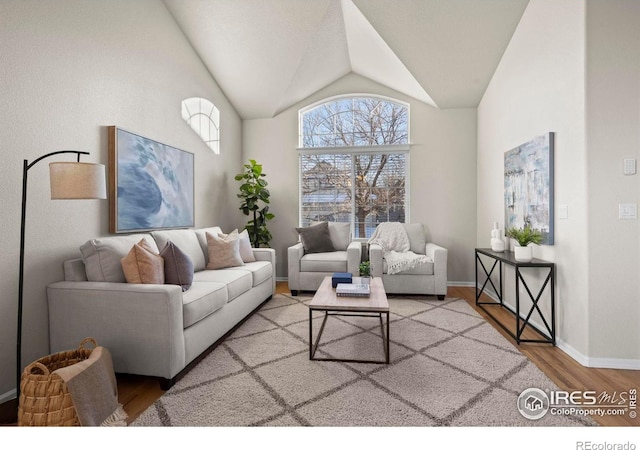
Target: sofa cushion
x,y
316,238
340,233
201,234
324,262
142,265
421,269
224,250
417,239
202,299
237,281
178,268
102,256
260,271
186,240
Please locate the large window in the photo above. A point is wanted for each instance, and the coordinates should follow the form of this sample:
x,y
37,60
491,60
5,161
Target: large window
x,y
354,154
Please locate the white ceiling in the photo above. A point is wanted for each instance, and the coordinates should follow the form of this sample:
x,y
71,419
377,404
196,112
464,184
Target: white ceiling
x,y
267,55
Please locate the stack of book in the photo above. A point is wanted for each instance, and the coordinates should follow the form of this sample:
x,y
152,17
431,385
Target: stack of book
x,y
352,290
341,277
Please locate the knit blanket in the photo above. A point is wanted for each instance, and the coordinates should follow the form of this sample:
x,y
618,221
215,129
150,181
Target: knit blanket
x,y
94,391
393,239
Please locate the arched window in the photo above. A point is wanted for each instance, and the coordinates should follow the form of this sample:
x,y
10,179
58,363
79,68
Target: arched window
x,y
204,118
354,156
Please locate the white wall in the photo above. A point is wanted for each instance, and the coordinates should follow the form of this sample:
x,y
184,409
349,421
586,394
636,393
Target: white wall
x,y
69,69
442,172
573,67
613,133
539,87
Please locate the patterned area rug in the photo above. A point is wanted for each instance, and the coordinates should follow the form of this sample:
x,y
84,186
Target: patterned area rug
x,y
449,367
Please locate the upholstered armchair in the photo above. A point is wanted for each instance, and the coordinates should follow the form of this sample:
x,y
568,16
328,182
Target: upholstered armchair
x,y
425,279
324,248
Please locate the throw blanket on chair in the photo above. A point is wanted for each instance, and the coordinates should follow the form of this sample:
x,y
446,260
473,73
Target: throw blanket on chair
x,y
393,239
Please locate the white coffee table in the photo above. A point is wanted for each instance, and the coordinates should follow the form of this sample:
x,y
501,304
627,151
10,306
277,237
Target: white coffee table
x,y
376,305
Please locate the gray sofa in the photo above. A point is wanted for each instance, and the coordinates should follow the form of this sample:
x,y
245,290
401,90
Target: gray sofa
x,y
154,329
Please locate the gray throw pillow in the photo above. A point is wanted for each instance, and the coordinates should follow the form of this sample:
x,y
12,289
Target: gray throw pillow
x,y
316,238
178,267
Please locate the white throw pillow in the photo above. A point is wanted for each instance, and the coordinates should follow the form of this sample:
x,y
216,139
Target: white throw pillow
x,y
224,252
246,253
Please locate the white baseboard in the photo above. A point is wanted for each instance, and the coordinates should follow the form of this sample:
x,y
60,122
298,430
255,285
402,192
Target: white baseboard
x,y
461,283
601,363
8,396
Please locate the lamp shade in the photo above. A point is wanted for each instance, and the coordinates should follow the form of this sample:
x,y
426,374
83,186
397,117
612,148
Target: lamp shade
x,y
76,180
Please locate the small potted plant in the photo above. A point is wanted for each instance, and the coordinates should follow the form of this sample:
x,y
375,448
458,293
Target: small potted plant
x,y
524,237
365,271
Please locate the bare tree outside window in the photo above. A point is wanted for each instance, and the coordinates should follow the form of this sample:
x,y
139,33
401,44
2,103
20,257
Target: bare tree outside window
x,y
359,184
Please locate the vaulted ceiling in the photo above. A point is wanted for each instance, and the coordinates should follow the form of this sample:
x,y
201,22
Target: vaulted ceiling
x,y
267,55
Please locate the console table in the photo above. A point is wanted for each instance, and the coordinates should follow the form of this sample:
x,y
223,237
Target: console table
x,y
499,258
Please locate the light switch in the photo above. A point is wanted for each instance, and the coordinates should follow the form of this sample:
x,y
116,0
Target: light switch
x,y
563,212
627,211
629,167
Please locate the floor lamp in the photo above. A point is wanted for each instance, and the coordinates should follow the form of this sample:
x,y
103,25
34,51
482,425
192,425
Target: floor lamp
x,y
69,181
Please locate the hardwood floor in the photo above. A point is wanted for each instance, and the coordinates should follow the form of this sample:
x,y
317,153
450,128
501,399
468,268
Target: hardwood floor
x,y
138,393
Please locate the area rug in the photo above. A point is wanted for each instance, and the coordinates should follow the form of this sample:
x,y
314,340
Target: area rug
x,y
449,367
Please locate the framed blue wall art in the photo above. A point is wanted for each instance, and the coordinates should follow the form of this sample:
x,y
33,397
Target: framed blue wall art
x,y
528,186
151,184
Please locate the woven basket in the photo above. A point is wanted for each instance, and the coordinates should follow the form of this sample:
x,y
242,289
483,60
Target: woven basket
x,y
44,397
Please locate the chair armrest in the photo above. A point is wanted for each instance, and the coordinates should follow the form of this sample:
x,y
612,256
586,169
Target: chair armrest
x,y
375,258
439,256
140,324
354,258
294,254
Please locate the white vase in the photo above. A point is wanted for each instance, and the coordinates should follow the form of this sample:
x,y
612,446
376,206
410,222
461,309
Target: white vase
x,y
497,245
523,254
497,240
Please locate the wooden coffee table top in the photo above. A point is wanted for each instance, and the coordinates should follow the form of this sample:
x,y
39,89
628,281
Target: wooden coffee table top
x,y
326,299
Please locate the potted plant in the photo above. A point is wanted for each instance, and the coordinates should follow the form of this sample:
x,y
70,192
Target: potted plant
x,y
365,271
255,201
365,268
524,237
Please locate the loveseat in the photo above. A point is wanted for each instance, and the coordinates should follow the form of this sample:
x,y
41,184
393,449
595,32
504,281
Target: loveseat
x,y
154,329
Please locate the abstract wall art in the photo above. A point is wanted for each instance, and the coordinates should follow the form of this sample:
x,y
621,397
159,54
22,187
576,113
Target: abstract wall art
x,y
151,185
528,186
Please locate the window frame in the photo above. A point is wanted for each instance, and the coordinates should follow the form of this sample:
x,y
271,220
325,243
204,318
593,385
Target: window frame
x,y
213,116
353,151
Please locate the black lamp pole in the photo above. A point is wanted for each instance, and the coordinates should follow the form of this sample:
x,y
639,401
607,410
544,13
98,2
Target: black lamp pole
x,y
25,169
